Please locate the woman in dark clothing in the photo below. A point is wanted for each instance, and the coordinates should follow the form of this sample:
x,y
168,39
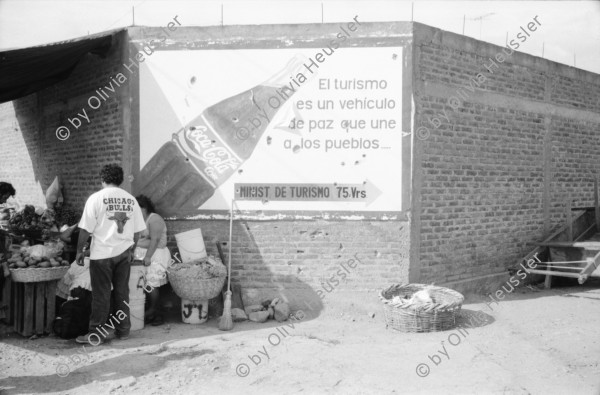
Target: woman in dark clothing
x,y
6,191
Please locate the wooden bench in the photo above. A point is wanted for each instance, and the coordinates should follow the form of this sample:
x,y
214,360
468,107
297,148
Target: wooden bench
x,y
567,251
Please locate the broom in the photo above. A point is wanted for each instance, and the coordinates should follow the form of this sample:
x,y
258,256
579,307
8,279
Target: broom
x,y
226,323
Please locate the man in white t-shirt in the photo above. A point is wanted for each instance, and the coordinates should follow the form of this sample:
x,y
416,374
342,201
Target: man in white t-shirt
x,y
114,219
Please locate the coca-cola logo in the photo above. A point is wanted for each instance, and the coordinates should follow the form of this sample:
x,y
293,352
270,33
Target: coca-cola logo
x,y
200,145
197,139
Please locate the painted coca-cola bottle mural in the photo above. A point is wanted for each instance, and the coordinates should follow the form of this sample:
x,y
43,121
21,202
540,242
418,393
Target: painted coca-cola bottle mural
x,y
186,171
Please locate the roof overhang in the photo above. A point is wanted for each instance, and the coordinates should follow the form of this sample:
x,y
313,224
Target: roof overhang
x,y
28,70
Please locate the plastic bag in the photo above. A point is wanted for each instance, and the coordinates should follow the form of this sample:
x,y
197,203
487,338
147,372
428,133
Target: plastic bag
x,y
41,251
56,246
53,194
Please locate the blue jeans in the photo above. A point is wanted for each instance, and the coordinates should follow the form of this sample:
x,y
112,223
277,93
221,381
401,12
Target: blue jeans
x,y
103,273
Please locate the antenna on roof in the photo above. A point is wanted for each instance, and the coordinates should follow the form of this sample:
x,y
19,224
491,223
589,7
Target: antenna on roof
x,y
221,14
321,12
133,16
464,18
543,44
412,11
480,19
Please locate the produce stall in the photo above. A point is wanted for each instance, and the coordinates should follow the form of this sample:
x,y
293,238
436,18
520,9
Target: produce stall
x,y
36,260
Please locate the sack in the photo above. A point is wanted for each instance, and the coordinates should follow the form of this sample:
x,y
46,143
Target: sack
x,y
74,315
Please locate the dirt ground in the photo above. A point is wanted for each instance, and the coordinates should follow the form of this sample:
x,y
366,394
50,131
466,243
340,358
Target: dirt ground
x,y
532,342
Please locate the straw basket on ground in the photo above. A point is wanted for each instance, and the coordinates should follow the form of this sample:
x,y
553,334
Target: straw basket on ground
x,y
201,279
406,312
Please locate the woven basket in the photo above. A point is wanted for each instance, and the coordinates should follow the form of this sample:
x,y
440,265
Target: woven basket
x,y
36,275
195,289
405,316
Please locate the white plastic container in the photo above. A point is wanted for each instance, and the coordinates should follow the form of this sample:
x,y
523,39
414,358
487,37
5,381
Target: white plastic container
x,y
137,281
136,313
191,245
194,312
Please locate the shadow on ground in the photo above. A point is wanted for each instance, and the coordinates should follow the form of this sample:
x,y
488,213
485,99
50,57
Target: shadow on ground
x,y
473,319
112,369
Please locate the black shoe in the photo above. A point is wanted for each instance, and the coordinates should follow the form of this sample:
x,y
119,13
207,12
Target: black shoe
x,y
122,336
158,320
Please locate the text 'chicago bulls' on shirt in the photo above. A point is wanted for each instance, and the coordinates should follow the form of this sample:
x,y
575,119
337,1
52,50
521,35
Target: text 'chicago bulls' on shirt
x,y
111,216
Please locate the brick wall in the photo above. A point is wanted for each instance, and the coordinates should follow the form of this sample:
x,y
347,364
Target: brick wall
x,y
503,158
31,155
20,149
297,258
575,162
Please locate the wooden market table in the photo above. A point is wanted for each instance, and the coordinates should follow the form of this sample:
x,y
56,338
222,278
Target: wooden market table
x,y
30,304
32,308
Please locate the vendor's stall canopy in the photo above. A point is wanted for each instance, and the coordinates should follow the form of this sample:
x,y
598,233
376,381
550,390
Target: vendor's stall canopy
x,y
28,70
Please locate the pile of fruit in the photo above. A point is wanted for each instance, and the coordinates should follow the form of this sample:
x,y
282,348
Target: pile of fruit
x,y
29,257
27,221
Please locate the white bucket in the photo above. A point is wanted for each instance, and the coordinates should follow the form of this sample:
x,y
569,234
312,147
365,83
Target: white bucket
x,y
191,245
136,313
137,281
194,312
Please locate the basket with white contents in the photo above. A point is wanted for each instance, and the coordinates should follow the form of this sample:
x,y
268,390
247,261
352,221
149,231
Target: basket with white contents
x,y
420,307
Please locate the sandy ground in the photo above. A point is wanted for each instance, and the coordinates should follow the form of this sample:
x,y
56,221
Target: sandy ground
x,y
532,342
